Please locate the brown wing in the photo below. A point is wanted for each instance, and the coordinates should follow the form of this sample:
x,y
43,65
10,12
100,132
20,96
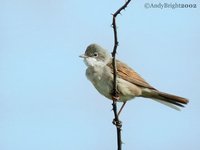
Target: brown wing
x,y
128,74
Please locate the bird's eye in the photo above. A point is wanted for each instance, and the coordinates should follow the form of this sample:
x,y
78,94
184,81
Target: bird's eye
x,y
95,54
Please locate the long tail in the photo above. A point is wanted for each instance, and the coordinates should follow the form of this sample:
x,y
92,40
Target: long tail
x,y
169,98
173,99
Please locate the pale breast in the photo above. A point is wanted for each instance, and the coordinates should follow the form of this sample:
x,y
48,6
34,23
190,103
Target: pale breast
x,y
101,78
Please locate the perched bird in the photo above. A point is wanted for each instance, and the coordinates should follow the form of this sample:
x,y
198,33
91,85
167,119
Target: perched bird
x,y
129,83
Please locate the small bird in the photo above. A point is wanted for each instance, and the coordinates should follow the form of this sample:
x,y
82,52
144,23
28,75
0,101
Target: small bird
x,y
129,83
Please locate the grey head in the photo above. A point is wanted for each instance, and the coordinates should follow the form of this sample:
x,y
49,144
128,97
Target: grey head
x,y
95,54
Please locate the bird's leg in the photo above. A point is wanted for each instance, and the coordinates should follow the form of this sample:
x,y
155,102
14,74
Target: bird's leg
x,y
119,123
116,120
124,103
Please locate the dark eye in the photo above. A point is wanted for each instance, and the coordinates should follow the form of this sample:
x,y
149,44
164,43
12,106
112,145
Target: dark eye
x,y
95,54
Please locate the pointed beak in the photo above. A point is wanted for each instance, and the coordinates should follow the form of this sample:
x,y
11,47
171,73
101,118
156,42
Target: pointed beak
x,y
83,56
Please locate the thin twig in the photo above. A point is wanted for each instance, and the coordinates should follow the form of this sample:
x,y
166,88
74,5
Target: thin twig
x,y
116,120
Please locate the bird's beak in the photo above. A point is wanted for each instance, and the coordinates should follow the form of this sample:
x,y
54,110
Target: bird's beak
x,y
83,56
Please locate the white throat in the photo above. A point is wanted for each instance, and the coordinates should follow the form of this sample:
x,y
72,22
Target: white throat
x,y
90,61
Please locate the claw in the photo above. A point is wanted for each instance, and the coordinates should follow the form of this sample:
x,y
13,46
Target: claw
x,y
117,123
115,98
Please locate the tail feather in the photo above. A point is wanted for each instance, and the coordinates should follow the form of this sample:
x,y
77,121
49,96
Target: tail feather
x,y
176,100
165,97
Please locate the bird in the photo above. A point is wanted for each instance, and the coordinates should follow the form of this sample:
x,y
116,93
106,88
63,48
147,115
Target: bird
x,y
129,83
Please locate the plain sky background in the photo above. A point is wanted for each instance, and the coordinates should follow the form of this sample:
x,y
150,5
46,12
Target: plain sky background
x,y
46,102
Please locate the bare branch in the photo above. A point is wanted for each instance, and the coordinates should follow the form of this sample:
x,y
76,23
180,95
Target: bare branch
x,y
116,120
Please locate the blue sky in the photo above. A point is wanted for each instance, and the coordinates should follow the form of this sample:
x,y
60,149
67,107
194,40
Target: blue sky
x,y
46,102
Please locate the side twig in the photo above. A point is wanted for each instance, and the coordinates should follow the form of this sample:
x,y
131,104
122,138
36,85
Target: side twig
x,y
116,120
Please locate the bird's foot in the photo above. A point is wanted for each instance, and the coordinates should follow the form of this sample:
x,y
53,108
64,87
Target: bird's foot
x,y
117,123
115,98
